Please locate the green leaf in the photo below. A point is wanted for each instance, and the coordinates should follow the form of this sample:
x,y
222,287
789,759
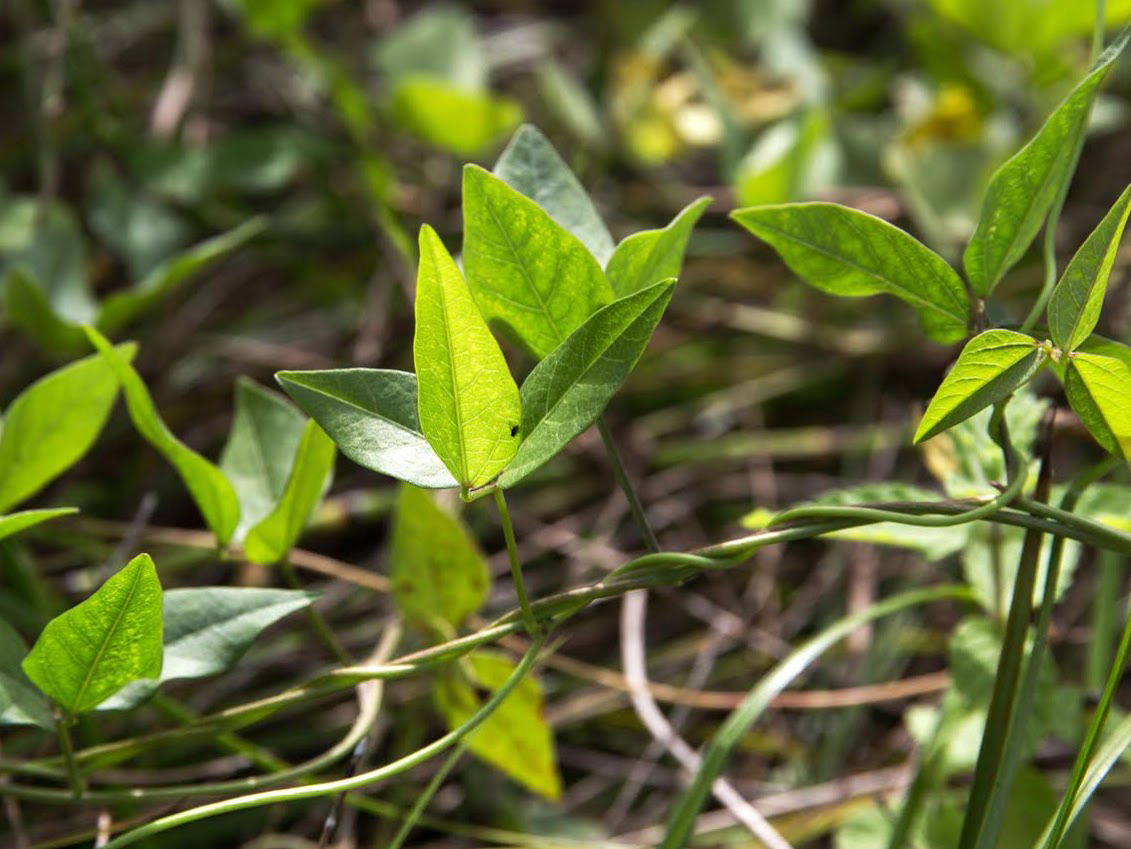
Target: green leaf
x,y
532,166
1024,188
13,523
566,392
207,630
121,307
1099,389
53,423
271,539
44,241
463,122
468,403
260,451
991,366
515,739
850,253
90,652
650,256
29,309
1074,307
525,270
439,42
20,702
371,415
439,575
212,492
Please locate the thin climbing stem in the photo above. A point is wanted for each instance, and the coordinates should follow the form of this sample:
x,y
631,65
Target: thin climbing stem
x,y
74,775
528,618
634,504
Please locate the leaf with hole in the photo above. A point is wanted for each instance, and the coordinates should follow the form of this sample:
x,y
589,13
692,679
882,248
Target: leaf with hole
x,y
311,465
647,257
371,414
567,391
207,630
532,166
88,653
53,423
1023,190
1074,307
516,738
468,402
850,253
209,487
526,272
439,576
1099,389
991,367
21,702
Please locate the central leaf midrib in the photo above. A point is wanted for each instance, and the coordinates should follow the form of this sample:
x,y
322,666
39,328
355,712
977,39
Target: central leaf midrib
x,y
889,282
449,350
101,650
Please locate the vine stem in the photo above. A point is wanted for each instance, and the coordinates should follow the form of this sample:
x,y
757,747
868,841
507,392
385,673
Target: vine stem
x,y
78,786
634,504
531,623
327,788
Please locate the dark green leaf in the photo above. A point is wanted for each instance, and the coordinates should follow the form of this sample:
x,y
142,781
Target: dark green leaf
x,y
311,465
439,575
258,457
850,253
207,630
468,402
1099,389
212,492
516,738
21,703
991,366
90,652
650,256
525,270
532,166
371,415
1074,307
566,392
53,423
1024,188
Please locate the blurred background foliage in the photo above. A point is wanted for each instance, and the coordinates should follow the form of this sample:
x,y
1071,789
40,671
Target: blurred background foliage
x,y
236,184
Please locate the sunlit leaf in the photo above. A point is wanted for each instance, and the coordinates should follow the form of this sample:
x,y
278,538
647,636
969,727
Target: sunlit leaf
x,y
525,270
90,652
210,490
371,414
270,539
439,575
468,402
53,423
647,257
516,738
1024,188
13,523
461,121
1074,307
207,630
532,166
850,253
566,392
991,366
1099,389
